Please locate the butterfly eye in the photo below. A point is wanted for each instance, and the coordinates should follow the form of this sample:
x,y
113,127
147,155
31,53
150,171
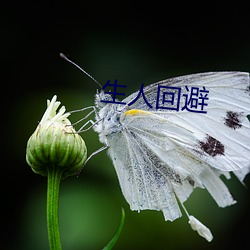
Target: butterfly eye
x,y
107,98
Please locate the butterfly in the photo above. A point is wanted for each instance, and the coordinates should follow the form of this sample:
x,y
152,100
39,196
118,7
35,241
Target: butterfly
x,y
162,154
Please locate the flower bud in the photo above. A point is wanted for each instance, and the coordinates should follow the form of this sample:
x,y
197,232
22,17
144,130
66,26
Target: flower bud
x,y
55,144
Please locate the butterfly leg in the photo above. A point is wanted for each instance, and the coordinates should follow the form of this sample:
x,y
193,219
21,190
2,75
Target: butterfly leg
x,y
82,128
96,152
86,116
91,155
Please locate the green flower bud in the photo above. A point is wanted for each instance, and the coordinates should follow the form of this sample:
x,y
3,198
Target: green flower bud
x,y
55,144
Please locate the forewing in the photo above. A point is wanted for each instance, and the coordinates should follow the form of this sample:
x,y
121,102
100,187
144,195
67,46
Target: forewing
x,y
225,80
222,135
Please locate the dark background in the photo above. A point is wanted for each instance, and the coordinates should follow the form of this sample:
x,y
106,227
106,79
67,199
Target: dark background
x,y
133,42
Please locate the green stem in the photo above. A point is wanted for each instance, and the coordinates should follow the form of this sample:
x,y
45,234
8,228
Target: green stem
x,y
54,177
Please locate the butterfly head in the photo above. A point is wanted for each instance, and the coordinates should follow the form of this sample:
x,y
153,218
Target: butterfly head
x,y
102,99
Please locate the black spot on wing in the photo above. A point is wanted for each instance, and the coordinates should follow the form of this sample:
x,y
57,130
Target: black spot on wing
x,y
191,181
233,119
212,146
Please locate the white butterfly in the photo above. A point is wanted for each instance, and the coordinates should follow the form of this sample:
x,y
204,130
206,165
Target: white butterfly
x,y
161,155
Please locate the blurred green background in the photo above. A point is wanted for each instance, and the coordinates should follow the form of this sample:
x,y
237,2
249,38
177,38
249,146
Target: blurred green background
x,y
134,43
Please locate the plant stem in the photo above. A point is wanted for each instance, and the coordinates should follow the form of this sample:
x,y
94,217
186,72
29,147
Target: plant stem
x,y
54,177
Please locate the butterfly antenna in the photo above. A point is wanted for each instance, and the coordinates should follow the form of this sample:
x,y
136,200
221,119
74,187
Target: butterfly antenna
x,y
68,60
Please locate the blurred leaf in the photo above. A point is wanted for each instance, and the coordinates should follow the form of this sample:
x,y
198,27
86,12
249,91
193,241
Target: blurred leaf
x,y
117,234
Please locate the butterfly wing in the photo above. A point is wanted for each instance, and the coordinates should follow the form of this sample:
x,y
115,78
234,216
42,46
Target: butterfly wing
x,y
226,80
223,133
163,153
142,185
